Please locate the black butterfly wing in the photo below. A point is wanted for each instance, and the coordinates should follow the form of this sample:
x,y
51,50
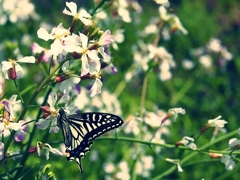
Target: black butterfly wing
x,y
79,130
64,125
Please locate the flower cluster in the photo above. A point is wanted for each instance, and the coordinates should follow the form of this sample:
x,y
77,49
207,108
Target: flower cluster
x,y
16,10
148,56
8,122
87,46
77,53
71,71
211,55
229,159
189,141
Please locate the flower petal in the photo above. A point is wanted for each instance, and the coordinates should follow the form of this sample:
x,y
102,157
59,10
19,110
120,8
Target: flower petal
x,y
72,7
42,124
19,71
43,34
52,98
19,135
1,151
96,88
27,59
84,40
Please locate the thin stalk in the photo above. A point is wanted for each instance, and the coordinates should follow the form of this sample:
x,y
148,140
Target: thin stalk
x,y
97,7
24,158
38,90
143,96
191,155
18,92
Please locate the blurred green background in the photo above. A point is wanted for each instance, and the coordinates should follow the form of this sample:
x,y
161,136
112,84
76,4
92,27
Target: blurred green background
x,y
203,95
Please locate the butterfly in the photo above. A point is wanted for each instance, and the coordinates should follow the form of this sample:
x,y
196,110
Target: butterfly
x,y
79,130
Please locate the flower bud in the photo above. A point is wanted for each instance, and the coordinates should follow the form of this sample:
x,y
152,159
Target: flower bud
x,y
61,78
32,149
13,73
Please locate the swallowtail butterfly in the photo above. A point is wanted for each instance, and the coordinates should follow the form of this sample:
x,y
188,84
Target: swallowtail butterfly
x,y
79,130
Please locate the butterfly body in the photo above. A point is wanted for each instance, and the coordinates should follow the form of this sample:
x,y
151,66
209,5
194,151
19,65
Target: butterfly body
x,y
79,130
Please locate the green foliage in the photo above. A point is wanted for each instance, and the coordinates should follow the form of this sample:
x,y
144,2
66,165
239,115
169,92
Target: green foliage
x,y
204,92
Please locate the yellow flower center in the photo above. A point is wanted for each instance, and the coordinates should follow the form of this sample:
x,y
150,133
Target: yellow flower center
x,y
59,36
6,122
76,16
12,62
54,113
84,51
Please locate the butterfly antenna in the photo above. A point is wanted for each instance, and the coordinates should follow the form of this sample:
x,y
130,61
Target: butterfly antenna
x,y
79,162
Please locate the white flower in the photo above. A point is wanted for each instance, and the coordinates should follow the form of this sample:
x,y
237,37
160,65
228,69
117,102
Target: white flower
x,y
144,165
172,19
163,13
226,55
48,149
86,54
154,118
67,85
118,38
123,174
109,167
216,122
178,25
96,88
17,69
43,123
229,163
18,10
83,15
106,38
214,45
72,43
10,106
175,111
132,125
51,113
45,54
21,132
234,143
163,2
7,123
188,141
177,162
206,61
123,11
57,34
165,60
187,64
6,126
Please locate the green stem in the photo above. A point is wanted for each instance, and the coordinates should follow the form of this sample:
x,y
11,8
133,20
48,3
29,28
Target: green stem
x,y
120,88
97,7
24,158
171,146
28,89
38,90
143,96
191,155
198,137
185,159
18,92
